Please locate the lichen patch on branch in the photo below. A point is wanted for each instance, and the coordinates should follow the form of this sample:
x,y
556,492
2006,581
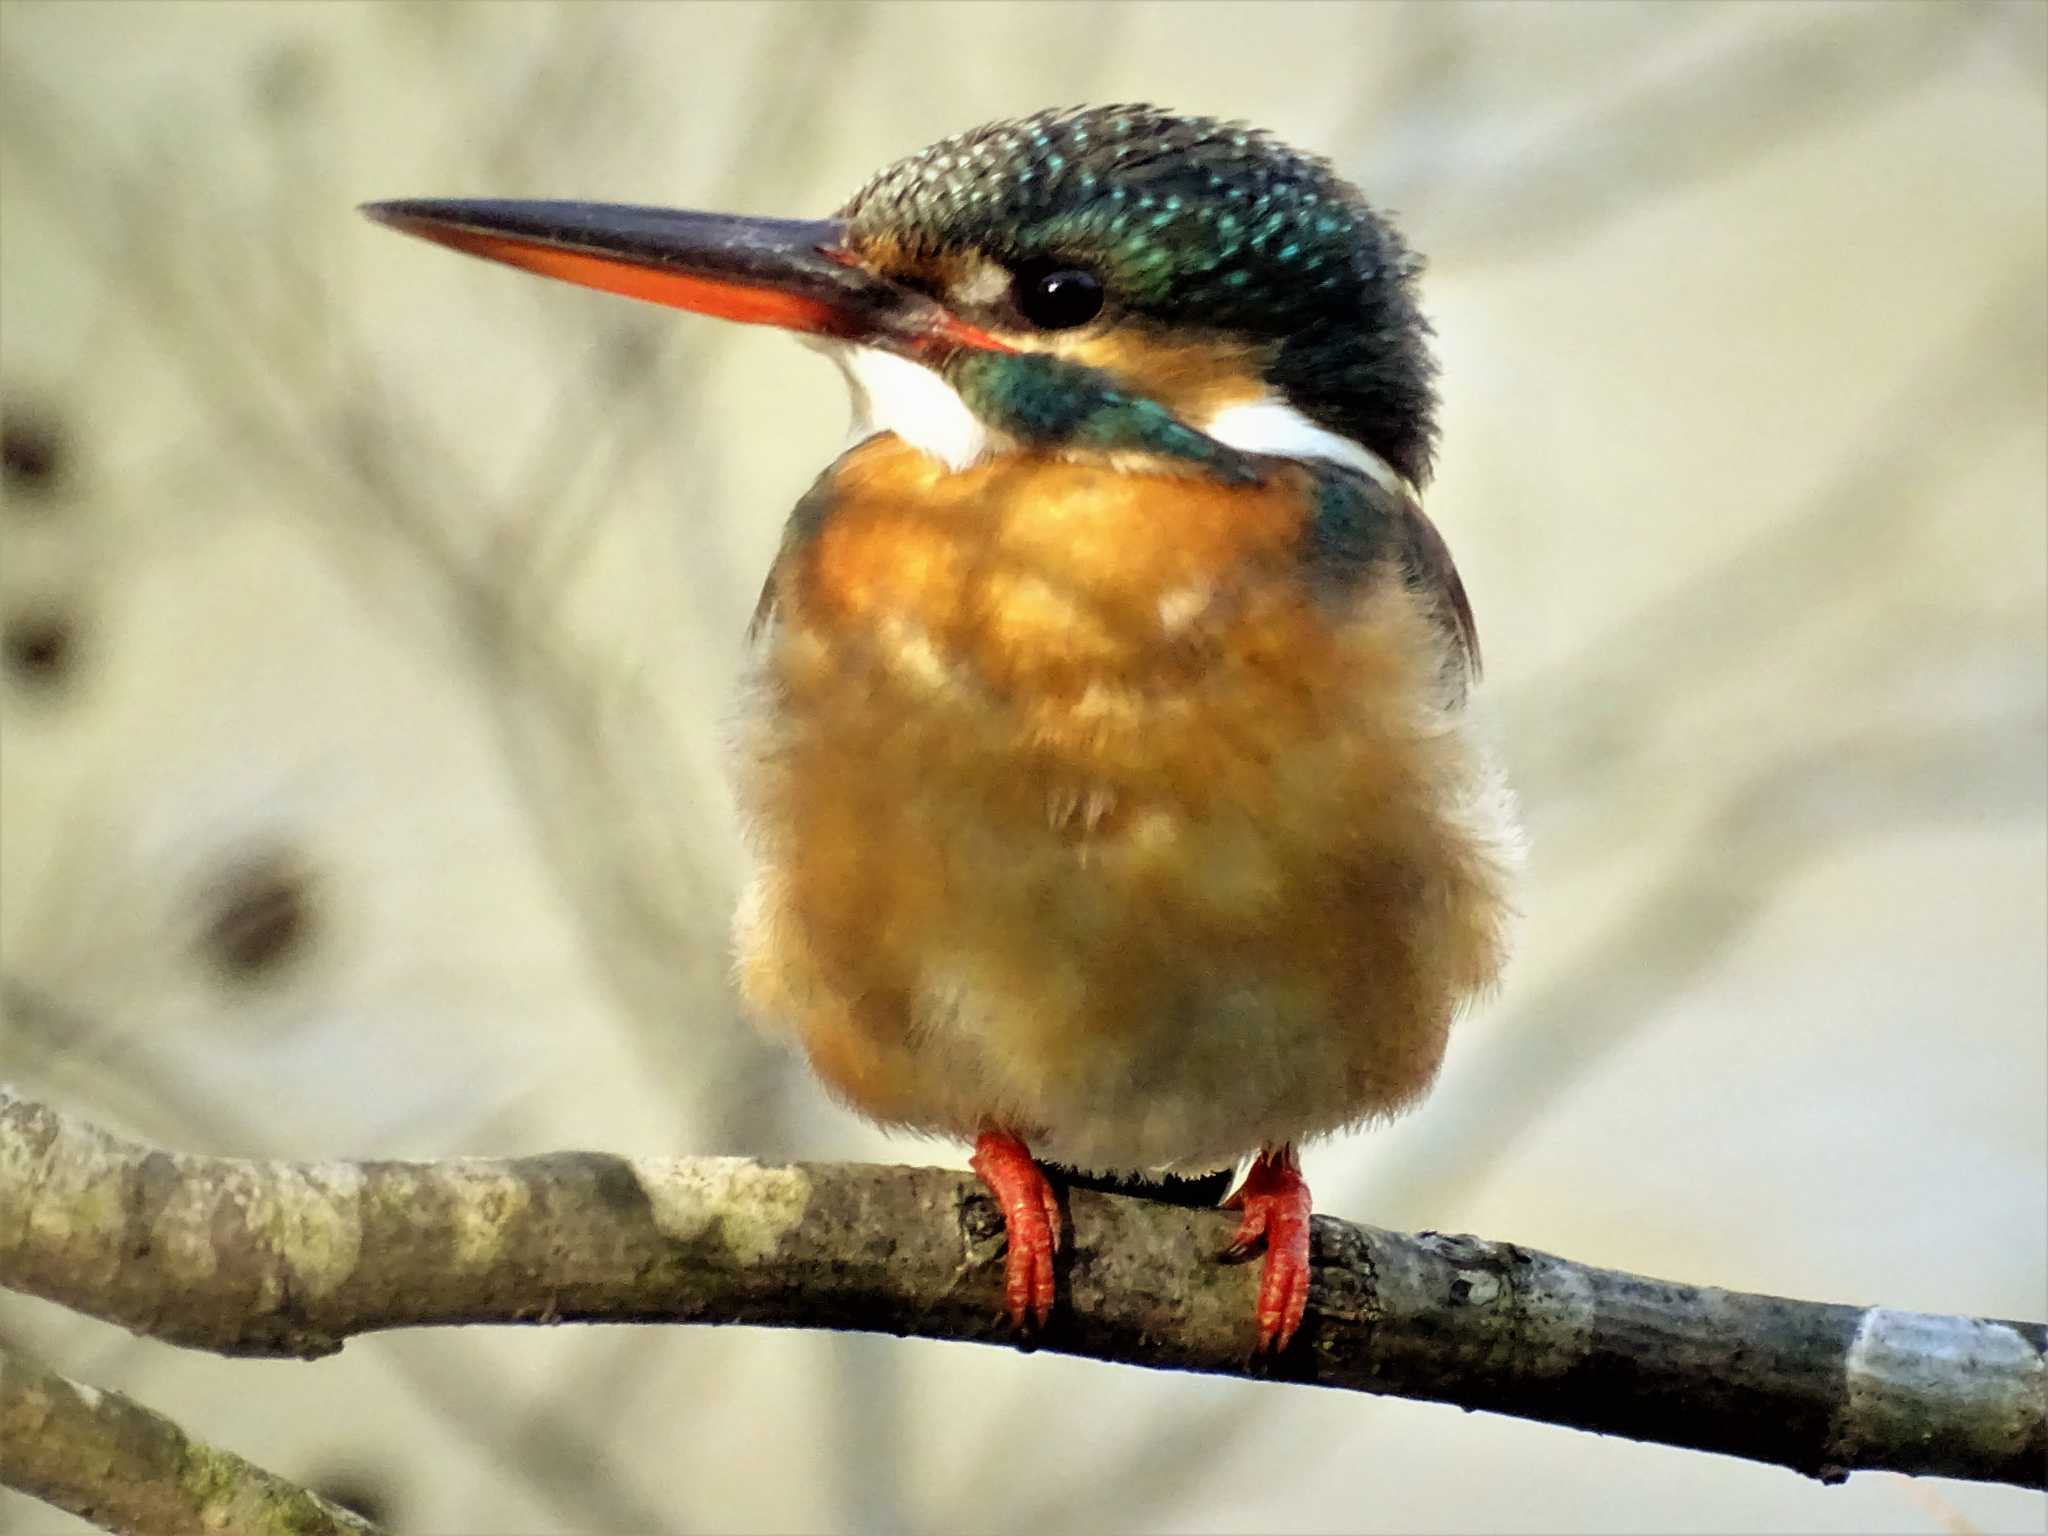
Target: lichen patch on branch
x,y
1915,1376
483,1201
752,1208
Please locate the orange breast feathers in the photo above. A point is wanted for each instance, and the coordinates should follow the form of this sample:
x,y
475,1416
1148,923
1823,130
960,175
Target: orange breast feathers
x,y
1080,810
1032,572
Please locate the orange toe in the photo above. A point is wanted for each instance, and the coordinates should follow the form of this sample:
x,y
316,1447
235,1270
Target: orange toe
x,y
1031,1217
1276,1205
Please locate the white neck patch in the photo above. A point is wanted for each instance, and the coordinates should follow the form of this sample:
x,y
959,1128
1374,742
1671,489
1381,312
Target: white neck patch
x,y
1269,425
893,394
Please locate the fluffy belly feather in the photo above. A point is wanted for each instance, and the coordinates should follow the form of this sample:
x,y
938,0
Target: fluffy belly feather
x,y
1108,833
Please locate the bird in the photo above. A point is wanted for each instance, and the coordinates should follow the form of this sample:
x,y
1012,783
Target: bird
x,y
1112,794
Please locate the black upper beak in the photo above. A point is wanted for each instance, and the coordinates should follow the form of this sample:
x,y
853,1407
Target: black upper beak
x,y
791,273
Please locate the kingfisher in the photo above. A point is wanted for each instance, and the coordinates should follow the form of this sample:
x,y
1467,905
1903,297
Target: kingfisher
x,y
1107,772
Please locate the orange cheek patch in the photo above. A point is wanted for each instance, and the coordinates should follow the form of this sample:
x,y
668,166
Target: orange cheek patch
x,y
1193,379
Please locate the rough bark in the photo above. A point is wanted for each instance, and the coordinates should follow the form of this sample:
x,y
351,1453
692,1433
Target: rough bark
x,y
273,1258
113,1462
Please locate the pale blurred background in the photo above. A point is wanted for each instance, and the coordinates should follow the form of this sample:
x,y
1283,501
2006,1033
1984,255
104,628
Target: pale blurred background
x,y
370,620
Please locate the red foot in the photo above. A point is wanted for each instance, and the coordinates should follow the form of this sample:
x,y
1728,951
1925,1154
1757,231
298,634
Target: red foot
x,y
1276,1208
1031,1216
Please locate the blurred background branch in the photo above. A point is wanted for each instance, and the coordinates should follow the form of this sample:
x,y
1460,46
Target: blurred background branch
x,y
115,1463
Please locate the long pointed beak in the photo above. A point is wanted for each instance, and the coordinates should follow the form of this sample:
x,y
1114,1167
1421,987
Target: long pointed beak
x,y
791,273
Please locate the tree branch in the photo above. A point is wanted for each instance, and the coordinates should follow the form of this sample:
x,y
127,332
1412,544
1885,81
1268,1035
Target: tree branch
x,y
117,1464
272,1258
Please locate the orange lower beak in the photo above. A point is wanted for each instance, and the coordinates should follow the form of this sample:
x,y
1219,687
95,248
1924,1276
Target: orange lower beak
x,y
783,272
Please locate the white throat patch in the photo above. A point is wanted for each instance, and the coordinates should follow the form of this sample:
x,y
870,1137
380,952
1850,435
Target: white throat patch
x,y
893,394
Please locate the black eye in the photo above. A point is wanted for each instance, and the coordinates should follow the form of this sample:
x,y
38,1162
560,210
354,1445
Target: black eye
x,y
1058,298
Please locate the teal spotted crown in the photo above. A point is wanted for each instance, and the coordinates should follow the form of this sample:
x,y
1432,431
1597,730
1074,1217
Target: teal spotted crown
x,y
1195,225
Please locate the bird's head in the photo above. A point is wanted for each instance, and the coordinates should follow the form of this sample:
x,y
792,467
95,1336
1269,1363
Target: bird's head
x,y
1115,281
